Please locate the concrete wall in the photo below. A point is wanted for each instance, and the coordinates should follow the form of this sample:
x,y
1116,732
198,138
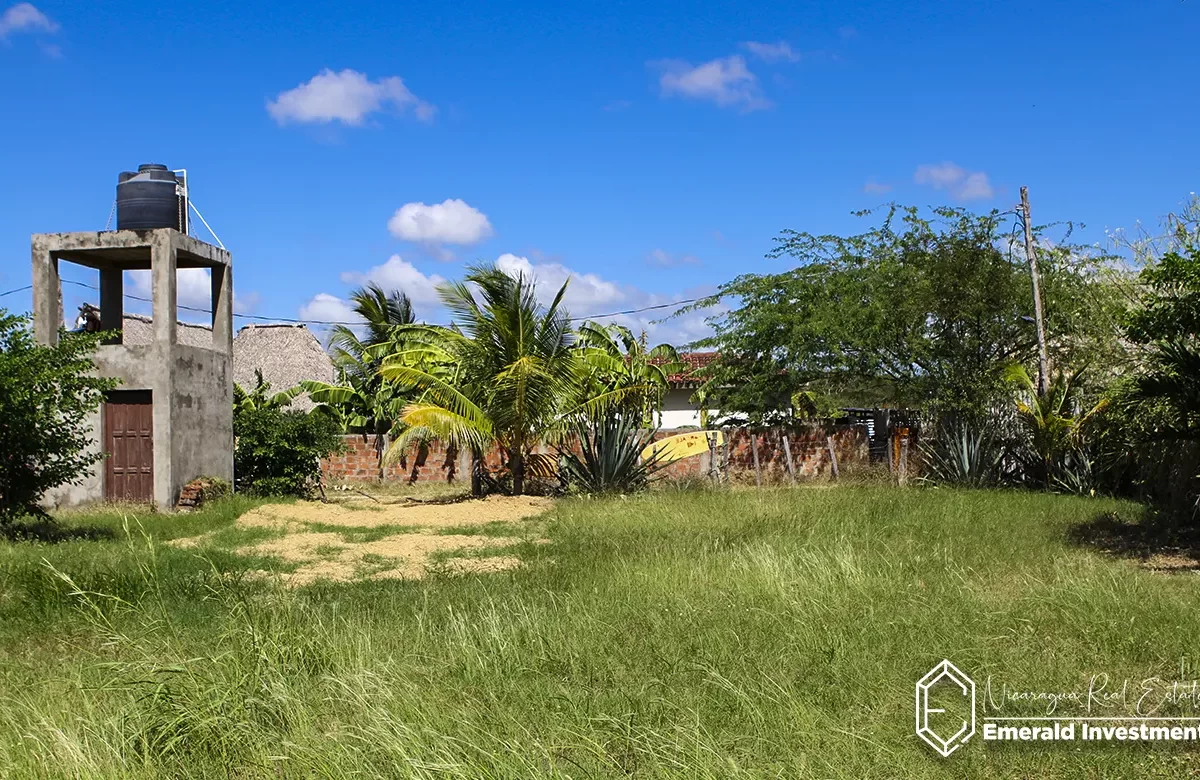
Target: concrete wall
x,y
91,486
139,367
192,395
201,404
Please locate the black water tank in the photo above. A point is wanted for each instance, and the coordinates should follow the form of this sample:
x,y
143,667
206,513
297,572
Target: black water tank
x,y
149,199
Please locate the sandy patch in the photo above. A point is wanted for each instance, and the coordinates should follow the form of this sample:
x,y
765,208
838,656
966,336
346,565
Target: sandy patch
x,y
327,555
368,514
1171,563
324,556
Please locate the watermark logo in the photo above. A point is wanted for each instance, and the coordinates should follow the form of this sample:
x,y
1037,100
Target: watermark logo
x,y
1104,710
945,708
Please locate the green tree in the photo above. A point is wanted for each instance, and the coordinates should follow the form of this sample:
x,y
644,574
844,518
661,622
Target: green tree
x,y
47,395
381,311
1054,431
506,373
1166,323
919,312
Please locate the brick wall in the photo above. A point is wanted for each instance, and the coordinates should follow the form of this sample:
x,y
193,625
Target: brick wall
x,y
810,457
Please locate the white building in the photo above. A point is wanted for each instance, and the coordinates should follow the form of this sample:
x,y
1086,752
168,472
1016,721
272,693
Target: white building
x,y
679,408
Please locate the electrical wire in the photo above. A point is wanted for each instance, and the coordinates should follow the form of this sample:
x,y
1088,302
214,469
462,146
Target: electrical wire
x,y
292,320
19,289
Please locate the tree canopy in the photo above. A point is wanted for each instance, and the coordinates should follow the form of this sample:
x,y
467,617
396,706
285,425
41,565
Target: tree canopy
x,y
47,394
917,311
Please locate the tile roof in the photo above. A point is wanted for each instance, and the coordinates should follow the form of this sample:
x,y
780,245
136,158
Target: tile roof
x,y
693,362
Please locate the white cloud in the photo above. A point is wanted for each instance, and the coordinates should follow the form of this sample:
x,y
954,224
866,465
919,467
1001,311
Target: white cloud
x,y
24,17
585,292
781,51
873,187
959,182
347,97
588,295
324,307
399,274
975,187
395,274
664,259
725,81
452,221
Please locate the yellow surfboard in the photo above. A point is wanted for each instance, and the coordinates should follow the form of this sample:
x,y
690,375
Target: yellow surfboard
x,y
685,445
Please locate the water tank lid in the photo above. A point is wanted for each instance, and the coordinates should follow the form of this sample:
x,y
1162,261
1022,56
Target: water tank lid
x,y
151,167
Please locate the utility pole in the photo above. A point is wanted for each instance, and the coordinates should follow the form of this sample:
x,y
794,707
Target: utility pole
x,y
1043,361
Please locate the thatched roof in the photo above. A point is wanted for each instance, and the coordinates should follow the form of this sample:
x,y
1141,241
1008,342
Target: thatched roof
x,y
286,355
138,329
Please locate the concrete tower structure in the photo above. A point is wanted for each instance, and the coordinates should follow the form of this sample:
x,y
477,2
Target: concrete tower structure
x,y
171,419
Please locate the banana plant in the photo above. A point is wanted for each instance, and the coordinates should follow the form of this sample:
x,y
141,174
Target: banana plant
x,y
615,359
260,396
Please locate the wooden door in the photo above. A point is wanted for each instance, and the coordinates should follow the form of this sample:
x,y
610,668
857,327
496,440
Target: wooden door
x,y
129,442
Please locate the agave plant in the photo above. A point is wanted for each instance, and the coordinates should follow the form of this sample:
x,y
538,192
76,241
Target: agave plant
x,y
610,457
1075,472
964,454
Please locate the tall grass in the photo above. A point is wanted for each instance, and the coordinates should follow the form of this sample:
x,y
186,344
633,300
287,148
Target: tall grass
x,y
700,635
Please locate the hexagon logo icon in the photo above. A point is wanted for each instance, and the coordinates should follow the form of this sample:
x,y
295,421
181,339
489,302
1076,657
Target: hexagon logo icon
x,y
945,708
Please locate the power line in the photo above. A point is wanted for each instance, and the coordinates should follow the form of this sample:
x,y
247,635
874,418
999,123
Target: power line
x,y
359,322
19,289
637,311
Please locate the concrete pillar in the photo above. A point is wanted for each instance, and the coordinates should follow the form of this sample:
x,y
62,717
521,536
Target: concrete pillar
x,y
165,287
47,296
112,306
222,308
164,284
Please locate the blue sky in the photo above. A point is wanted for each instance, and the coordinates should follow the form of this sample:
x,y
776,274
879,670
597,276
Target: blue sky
x,y
652,150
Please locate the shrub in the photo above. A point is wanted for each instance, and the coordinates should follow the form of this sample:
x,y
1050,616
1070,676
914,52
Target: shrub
x,y
46,395
279,452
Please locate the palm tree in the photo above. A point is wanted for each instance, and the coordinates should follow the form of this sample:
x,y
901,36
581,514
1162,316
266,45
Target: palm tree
x,y
1053,429
382,313
361,400
505,373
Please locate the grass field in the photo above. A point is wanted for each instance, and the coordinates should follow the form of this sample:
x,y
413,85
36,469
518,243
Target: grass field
x,y
679,634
